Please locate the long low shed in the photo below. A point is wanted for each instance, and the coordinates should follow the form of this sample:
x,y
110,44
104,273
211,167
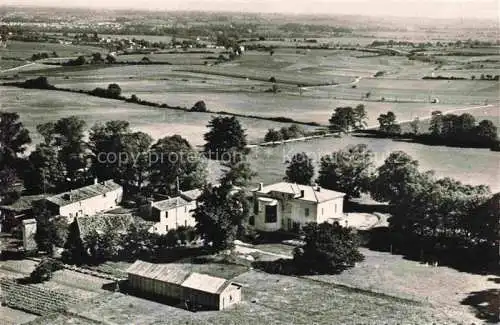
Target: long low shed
x,y
173,281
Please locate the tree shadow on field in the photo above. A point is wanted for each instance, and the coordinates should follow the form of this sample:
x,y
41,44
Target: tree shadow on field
x,y
486,303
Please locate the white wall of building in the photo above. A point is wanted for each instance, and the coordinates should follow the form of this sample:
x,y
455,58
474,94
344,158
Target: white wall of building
x,y
92,205
175,218
332,209
295,211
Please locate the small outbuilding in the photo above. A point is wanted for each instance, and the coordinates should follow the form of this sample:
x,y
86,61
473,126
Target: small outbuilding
x,y
175,282
213,292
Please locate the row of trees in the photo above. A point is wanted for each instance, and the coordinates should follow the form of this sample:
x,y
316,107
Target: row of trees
x,y
451,129
292,132
462,128
347,119
135,243
64,159
349,170
443,212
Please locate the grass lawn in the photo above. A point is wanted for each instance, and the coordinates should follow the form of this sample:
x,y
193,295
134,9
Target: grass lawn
x,y
275,299
394,275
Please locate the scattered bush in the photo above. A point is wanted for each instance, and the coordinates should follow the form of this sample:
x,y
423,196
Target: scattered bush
x,y
43,271
199,106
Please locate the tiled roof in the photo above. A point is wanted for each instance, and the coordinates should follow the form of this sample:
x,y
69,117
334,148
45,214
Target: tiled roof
x,y
101,223
23,203
84,193
311,193
168,204
191,195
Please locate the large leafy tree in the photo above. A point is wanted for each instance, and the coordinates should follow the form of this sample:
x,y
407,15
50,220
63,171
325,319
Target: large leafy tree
x,y
119,153
226,134
395,178
13,139
237,170
346,119
135,170
44,172
329,248
7,180
436,122
486,131
485,228
66,137
300,169
173,161
106,143
50,231
348,170
74,250
220,216
102,247
387,123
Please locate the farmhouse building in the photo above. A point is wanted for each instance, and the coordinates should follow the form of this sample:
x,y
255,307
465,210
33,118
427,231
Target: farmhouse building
x,y
174,212
290,206
86,201
175,282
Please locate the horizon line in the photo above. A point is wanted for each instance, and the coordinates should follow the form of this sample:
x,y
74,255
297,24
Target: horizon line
x,y
248,12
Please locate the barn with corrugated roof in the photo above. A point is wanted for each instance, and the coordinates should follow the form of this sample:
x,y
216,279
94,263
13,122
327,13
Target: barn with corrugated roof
x,y
157,279
175,282
210,291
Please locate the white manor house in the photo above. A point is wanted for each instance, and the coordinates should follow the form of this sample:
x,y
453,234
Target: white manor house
x,y
289,206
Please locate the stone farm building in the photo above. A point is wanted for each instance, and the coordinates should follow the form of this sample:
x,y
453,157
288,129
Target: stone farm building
x,y
175,282
86,201
290,206
175,212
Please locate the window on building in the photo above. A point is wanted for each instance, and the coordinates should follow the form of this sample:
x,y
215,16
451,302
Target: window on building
x,y
251,220
166,214
166,228
335,208
306,212
322,211
271,213
256,206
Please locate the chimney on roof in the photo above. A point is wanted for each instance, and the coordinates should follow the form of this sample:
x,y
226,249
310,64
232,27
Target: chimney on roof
x,y
68,196
302,193
318,188
261,186
96,181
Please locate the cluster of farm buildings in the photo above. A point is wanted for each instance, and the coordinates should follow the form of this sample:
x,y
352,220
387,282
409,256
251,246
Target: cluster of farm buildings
x,y
280,206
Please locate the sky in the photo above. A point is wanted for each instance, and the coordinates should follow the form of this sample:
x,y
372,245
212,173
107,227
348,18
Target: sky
x,y
482,9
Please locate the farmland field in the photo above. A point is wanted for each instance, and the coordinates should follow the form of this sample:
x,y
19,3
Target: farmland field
x,y
277,300
180,58
38,106
24,51
471,166
420,91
